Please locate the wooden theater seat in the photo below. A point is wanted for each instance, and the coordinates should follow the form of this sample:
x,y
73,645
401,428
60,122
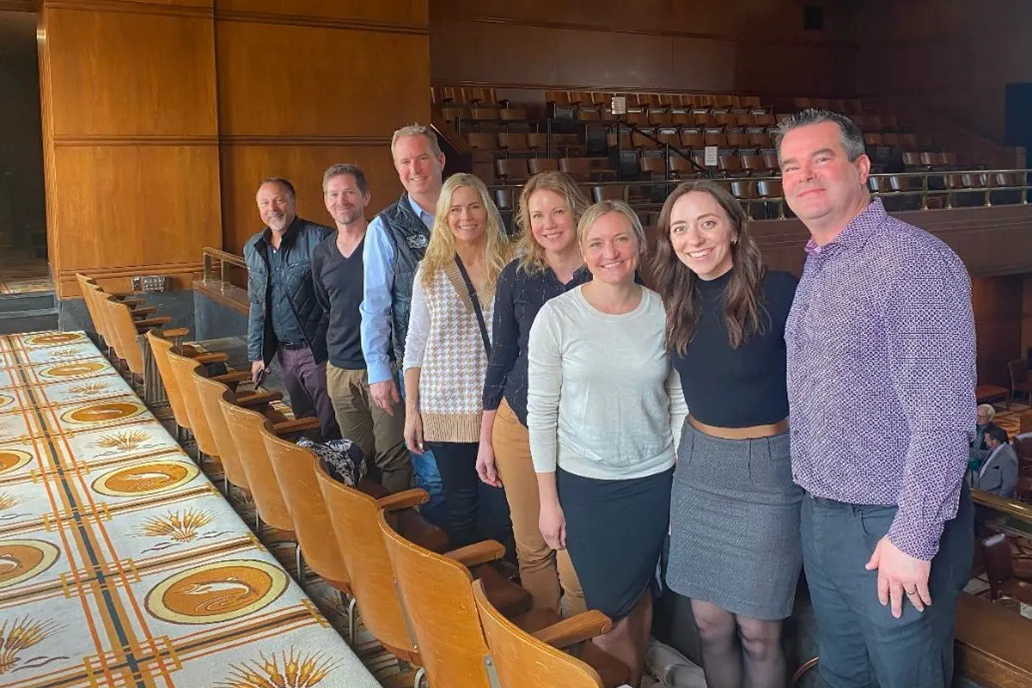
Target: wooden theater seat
x,y
524,660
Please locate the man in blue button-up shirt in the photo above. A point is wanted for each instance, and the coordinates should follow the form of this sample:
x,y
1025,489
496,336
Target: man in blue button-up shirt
x,y
881,380
395,243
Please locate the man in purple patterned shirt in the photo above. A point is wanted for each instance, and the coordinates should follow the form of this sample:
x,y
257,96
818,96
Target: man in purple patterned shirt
x,y
881,379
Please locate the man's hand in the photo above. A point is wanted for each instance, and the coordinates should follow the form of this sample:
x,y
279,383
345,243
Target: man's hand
x,y
900,575
256,369
385,395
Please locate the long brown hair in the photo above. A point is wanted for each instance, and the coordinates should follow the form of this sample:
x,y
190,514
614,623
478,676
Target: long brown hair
x,y
677,284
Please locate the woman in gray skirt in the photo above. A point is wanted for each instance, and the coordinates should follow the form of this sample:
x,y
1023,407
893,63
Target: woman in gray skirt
x,y
734,510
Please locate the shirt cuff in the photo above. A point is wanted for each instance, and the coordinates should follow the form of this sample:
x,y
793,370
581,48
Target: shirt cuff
x,y
378,372
919,540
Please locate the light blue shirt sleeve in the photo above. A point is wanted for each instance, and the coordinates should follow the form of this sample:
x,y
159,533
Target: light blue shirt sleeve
x,y
378,262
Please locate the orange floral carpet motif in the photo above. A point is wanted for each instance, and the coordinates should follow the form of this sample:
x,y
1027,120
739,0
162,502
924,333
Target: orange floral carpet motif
x,y
121,564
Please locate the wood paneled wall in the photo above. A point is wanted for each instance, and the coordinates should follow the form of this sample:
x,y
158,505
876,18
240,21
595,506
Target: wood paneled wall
x,y
953,56
130,138
160,118
304,84
997,303
705,45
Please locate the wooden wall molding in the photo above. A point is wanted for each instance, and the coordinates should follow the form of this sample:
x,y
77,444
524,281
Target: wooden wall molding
x,y
312,140
19,5
321,22
602,28
129,271
131,7
103,140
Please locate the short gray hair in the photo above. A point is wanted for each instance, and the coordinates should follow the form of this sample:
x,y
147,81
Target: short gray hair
x,y
990,412
417,130
342,169
852,137
283,184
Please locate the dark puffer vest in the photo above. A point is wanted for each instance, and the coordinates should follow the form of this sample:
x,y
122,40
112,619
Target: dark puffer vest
x,y
299,241
409,238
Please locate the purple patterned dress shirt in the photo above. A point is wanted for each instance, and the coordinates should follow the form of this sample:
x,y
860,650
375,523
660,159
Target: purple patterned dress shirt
x,y
881,374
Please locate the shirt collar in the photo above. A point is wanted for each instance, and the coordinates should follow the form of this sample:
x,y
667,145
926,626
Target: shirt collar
x,y
426,217
856,232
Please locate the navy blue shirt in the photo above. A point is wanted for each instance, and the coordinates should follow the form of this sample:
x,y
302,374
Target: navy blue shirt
x,y
518,298
284,322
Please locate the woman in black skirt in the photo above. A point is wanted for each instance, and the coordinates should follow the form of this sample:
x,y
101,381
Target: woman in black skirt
x,y
734,541
603,403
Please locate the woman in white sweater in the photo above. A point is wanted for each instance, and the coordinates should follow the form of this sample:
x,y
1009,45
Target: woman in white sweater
x,y
446,353
604,409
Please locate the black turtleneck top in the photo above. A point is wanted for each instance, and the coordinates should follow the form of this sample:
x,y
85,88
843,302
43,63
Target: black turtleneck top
x,y
737,388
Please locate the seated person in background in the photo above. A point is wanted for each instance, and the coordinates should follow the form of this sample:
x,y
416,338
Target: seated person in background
x,y
979,448
999,472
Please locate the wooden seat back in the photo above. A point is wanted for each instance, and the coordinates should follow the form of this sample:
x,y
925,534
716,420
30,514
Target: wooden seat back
x,y
245,428
184,369
451,644
209,393
295,469
123,332
523,661
160,349
353,515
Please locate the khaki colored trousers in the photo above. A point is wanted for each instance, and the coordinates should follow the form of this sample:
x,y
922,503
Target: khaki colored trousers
x,y
544,572
379,435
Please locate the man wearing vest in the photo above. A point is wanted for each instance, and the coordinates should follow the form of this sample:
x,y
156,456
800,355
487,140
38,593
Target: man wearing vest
x,y
395,243
285,319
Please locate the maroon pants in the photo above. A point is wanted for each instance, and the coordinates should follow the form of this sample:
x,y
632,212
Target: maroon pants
x,y
305,381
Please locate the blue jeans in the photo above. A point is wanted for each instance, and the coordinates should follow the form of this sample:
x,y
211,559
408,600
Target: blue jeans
x,y
427,477
860,643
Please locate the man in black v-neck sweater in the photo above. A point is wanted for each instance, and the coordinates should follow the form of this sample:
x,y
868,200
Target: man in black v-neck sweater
x,y
337,271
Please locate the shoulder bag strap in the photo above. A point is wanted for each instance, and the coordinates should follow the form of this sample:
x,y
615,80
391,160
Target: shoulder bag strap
x,y
476,304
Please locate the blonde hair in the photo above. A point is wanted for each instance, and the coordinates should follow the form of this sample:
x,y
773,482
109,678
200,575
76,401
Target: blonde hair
x,y
441,249
532,254
594,213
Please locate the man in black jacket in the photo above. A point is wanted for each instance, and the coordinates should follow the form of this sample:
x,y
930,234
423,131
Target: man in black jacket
x,y
285,319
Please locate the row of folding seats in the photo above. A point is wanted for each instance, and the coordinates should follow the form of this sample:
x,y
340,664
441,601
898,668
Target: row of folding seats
x,y
692,138
585,98
582,169
392,567
851,106
462,95
898,140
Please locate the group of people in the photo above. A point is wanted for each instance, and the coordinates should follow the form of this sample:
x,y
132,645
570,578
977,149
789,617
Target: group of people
x,y
731,422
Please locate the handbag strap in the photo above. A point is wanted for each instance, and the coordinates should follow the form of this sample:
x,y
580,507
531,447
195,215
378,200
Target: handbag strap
x,y
476,304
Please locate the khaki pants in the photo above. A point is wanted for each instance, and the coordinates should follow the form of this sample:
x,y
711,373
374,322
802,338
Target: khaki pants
x,y
379,435
542,570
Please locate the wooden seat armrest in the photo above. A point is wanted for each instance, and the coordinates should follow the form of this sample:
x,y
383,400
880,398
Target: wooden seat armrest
x,y
478,553
176,332
235,376
147,323
404,500
576,629
214,357
127,300
258,399
296,425
142,310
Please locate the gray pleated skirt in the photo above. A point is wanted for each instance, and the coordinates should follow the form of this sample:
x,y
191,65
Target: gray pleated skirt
x,y
734,518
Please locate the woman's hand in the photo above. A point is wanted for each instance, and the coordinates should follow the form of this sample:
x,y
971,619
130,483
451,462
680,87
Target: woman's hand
x,y
552,523
486,468
414,432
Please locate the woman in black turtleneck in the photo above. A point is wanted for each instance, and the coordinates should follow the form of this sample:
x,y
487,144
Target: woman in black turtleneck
x,y
734,541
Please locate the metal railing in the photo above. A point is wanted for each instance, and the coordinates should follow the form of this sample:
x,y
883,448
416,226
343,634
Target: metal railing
x,y
929,184
225,261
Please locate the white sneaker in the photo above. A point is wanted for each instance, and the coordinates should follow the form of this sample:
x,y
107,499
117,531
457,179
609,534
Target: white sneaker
x,y
673,669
